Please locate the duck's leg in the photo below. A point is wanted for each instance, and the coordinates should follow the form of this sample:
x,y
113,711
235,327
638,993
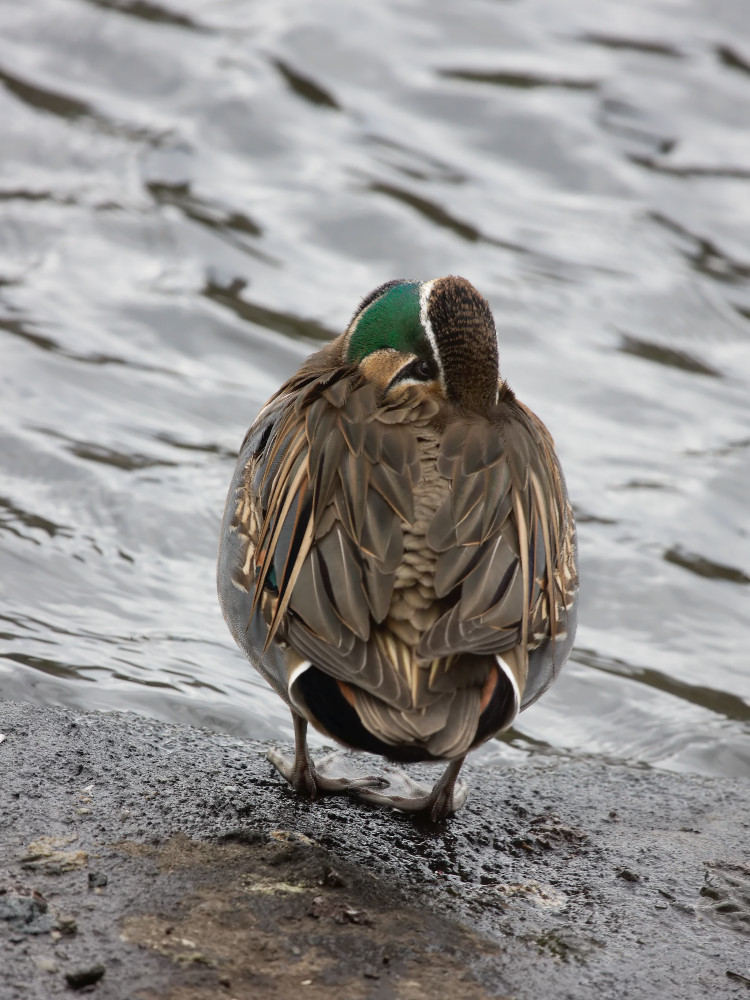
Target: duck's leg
x,y
446,796
327,775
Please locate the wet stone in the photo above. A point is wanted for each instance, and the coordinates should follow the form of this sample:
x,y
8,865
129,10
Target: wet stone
x,y
77,979
628,876
46,964
66,924
25,910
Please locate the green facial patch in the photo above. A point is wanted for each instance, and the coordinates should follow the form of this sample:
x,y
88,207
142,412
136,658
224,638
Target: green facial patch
x,y
391,321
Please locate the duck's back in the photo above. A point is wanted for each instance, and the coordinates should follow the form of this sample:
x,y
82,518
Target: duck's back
x,y
388,564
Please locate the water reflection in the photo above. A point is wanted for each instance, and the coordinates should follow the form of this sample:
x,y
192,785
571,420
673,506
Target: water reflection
x,y
705,567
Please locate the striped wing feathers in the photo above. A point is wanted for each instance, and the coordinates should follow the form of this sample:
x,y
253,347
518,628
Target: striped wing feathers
x,y
346,530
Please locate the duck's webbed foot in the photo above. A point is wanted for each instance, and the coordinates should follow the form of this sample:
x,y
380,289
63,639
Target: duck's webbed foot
x,y
328,774
402,792
334,774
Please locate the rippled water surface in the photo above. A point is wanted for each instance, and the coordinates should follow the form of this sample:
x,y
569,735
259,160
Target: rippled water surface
x,y
194,195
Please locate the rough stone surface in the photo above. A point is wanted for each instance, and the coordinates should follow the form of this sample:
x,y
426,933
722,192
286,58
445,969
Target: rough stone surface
x,y
177,860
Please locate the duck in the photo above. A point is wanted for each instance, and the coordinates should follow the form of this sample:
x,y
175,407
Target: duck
x,y
398,551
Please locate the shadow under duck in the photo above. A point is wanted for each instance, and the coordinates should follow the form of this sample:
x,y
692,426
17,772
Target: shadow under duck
x,y
398,553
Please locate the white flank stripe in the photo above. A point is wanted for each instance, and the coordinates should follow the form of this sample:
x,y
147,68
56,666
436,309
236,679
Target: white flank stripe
x,y
297,672
514,684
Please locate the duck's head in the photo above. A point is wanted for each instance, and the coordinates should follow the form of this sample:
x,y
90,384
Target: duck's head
x,y
438,334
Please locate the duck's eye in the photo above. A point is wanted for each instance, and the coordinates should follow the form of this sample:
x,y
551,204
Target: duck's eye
x,y
418,370
423,370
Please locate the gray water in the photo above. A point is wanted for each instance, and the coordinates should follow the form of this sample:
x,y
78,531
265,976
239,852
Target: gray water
x,y
195,194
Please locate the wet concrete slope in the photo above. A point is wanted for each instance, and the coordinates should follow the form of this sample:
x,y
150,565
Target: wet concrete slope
x,y
144,860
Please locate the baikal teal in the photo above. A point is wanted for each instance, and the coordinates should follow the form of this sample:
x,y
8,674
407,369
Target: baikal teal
x,y
398,553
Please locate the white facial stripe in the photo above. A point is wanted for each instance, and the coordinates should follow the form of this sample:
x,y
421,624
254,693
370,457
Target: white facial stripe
x,y
411,381
424,296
